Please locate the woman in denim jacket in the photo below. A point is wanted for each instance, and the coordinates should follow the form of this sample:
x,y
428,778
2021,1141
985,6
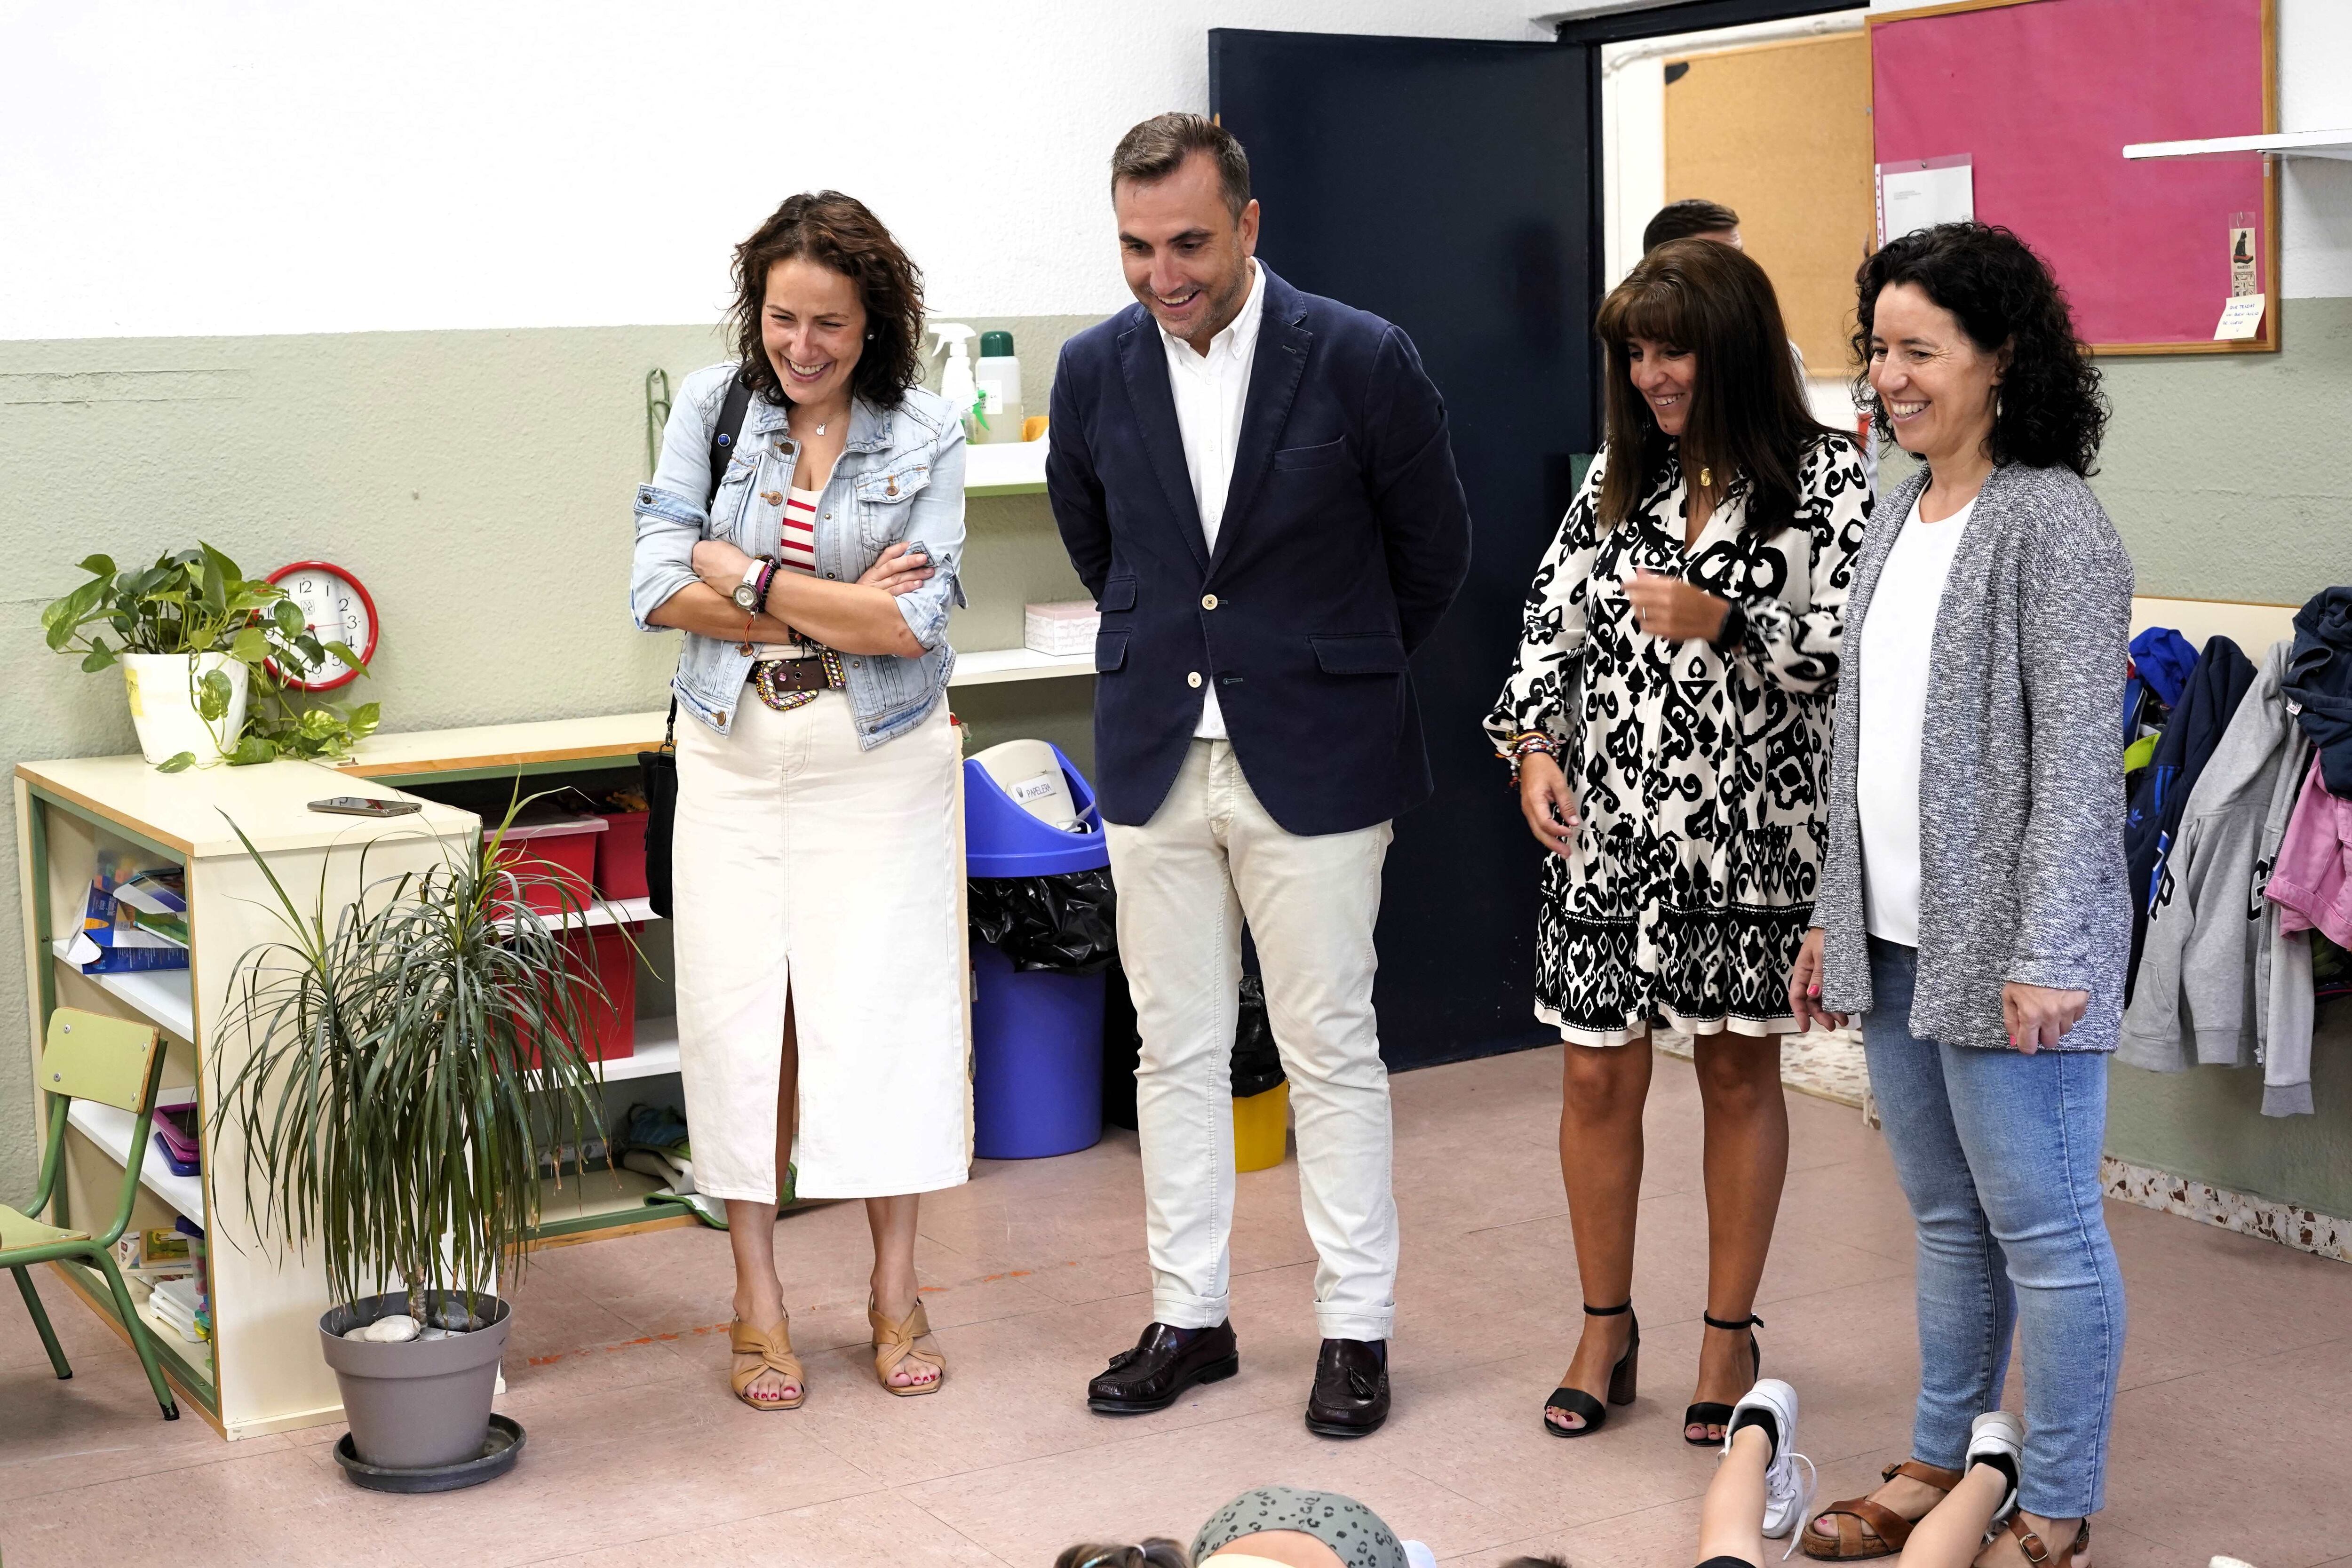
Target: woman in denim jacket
x,y
816,865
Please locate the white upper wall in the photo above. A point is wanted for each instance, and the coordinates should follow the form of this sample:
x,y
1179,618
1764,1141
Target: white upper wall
x,y
355,165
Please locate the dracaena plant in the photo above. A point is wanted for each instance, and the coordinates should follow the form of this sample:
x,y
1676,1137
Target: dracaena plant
x,y
197,602
415,1064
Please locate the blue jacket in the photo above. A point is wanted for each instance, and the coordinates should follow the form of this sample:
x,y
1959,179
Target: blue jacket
x,y
2223,675
2319,677
899,478
1345,536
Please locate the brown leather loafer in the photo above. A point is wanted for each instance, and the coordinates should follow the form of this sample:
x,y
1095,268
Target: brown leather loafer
x,y
1352,1389
1164,1363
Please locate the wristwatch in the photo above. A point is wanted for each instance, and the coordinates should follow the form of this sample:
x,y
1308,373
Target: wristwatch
x,y
747,593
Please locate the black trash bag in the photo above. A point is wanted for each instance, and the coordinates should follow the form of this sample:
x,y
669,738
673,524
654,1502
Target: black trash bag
x,y
1257,1064
1122,1050
1065,924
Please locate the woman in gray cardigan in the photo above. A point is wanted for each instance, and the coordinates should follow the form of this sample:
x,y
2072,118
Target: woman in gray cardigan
x,y
1973,908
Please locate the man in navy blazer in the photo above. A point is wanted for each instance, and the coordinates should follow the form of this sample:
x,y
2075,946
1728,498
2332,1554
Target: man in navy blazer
x,y
1256,485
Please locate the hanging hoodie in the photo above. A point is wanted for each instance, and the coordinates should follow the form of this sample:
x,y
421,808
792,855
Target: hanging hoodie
x,y
2198,999
2216,687
2312,882
2319,679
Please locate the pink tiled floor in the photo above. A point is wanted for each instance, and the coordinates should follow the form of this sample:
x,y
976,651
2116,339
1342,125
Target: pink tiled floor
x,y
2230,1433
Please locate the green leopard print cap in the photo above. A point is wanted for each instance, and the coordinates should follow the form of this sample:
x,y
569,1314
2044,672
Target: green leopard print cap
x,y
1341,1523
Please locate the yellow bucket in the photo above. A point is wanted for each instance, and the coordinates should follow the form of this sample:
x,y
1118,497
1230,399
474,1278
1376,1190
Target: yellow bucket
x,y
1261,1126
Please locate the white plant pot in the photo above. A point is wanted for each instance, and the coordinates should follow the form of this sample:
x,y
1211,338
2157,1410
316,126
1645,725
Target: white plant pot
x,y
162,691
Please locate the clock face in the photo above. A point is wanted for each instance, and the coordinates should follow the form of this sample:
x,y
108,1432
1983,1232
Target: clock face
x,y
338,610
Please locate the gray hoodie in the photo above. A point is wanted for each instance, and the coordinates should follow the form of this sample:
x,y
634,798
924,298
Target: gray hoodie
x,y
2219,985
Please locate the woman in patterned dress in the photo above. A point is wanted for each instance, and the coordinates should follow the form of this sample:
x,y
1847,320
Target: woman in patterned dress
x,y
1667,720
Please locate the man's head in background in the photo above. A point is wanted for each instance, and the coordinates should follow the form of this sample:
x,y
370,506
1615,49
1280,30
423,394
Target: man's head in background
x,y
1693,219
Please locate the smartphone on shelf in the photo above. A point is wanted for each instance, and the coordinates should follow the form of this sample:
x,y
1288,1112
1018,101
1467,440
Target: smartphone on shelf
x,y
360,806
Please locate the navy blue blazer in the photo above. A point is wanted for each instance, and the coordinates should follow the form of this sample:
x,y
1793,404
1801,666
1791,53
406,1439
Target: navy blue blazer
x,y
1345,536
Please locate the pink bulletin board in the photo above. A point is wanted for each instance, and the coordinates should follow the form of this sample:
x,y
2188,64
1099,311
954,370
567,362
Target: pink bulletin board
x,y
2043,95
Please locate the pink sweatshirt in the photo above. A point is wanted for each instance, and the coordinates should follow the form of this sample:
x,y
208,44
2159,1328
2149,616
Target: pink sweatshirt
x,y
2311,883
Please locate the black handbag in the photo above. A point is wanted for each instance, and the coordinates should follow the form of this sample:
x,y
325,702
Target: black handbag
x,y
658,770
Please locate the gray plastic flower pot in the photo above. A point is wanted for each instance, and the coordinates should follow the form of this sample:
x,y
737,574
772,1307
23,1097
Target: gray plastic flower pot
x,y
420,1404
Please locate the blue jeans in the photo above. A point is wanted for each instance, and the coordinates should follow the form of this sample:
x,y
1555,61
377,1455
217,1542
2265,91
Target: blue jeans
x,y
1999,1154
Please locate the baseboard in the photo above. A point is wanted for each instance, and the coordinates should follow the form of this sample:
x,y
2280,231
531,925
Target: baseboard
x,y
2289,1225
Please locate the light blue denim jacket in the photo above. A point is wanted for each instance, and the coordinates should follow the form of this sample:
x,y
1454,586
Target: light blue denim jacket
x,y
900,478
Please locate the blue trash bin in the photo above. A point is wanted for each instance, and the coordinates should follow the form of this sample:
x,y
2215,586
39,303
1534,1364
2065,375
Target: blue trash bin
x,y
1036,1036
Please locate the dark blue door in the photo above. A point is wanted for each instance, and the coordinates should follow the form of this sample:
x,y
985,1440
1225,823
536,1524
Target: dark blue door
x,y
1446,186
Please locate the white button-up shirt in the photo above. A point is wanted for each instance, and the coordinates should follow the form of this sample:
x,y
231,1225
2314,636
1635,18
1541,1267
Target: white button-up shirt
x,y
1211,390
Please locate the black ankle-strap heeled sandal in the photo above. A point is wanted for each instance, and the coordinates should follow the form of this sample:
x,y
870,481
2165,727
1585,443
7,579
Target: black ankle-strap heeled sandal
x,y
1622,1377
1708,1412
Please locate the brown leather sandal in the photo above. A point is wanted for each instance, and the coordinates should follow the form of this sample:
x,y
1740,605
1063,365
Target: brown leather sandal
x,y
1867,1528
894,1345
774,1348
2040,1555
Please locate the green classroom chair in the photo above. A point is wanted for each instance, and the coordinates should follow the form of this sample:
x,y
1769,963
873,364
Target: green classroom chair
x,y
116,1062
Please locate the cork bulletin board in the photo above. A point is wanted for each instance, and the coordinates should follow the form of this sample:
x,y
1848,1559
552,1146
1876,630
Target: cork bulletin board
x,y
2039,97
1780,134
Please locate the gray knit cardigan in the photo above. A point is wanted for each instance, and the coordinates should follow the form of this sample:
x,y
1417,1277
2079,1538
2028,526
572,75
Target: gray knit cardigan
x,y
2021,791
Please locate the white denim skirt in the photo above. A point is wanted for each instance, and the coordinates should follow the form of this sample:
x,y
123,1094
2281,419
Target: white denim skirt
x,y
805,867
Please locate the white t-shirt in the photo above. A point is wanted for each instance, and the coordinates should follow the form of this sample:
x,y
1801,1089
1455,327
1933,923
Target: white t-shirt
x,y
1897,638
1210,391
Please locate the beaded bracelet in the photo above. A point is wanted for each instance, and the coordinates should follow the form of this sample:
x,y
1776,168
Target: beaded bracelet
x,y
1533,741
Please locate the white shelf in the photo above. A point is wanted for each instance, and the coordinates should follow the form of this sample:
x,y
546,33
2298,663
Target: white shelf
x,y
110,1130
991,665
163,996
656,1053
1004,468
612,912
2282,143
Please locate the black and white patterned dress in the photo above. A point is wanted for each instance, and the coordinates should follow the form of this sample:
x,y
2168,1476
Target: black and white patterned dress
x,y
1697,775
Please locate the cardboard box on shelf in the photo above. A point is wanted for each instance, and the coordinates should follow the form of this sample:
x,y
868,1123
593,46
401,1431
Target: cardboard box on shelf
x,y
1062,630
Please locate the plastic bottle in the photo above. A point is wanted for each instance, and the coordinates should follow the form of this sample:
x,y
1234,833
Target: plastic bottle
x,y
999,379
956,383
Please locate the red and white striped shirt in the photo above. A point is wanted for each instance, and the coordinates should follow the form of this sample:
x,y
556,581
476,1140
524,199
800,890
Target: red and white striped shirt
x,y
796,552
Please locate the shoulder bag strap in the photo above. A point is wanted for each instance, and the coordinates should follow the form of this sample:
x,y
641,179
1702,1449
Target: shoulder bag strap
x,y
725,432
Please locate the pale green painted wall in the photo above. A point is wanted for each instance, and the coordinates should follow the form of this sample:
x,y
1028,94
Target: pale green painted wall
x,y
2224,475
478,483
2227,479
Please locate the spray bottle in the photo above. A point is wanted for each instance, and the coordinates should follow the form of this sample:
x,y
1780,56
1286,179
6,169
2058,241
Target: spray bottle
x,y
956,383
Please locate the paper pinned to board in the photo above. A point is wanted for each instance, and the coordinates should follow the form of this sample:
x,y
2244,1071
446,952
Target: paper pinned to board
x,y
2242,318
1920,193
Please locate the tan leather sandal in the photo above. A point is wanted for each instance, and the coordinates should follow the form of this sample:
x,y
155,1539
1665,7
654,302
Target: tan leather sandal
x,y
894,1345
1867,1528
2040,1555
774,1348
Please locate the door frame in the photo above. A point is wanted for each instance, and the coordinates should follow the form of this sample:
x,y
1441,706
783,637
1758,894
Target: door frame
x,y
1656,21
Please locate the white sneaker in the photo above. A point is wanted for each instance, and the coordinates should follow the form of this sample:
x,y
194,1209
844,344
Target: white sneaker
x,y
1998,1432
1785,1500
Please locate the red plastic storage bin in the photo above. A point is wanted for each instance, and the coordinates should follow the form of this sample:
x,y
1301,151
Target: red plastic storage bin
x,y
621,856
611,1023
546,856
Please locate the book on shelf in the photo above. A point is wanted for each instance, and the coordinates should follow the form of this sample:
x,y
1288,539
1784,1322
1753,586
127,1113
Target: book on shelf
x,y
161,891
161,1247
111,942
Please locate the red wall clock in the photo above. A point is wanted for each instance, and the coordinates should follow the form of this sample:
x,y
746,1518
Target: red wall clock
x,y
338,610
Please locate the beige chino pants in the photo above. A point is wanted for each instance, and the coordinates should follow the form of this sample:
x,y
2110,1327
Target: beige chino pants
x,y
1210,856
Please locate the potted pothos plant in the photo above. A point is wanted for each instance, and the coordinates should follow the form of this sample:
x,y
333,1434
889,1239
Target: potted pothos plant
x,y
207,659
416,1063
